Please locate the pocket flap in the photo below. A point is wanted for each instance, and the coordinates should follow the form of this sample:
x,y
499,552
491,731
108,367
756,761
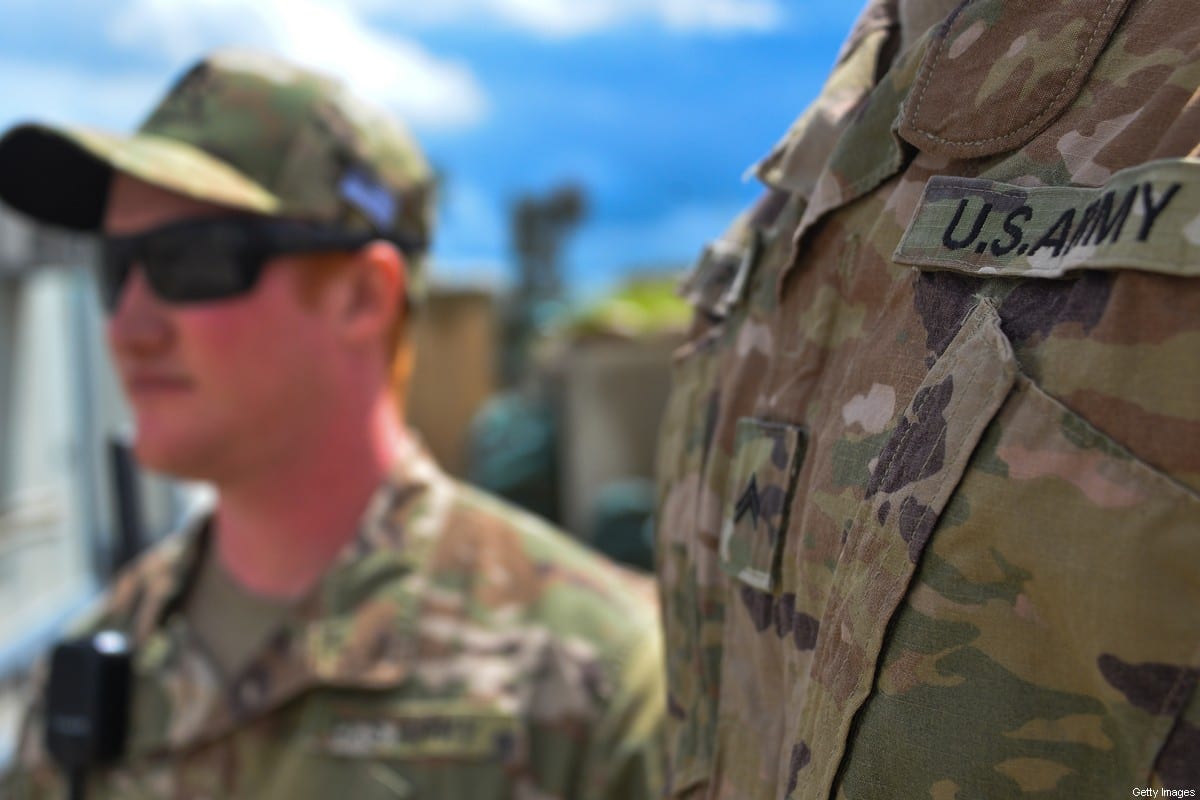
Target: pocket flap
x,y
762,479
1000,72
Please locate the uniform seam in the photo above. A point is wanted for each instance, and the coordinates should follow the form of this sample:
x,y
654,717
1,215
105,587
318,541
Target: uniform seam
x,y
927,72
972,380
1175,705
1181,688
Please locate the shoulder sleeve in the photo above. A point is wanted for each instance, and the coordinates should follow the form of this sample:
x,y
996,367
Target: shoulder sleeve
x,y
626,755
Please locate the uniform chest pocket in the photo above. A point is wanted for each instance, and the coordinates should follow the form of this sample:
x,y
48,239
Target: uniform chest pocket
x,y
762,479
1054,593
1049,637
1017,608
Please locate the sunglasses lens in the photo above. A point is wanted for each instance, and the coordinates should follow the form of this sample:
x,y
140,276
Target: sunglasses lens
x,y
182,264
115,256
196,273
196,262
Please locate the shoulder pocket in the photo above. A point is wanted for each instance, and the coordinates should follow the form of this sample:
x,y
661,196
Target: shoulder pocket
x,y
998,72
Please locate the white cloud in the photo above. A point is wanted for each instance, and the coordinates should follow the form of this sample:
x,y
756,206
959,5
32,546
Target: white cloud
x,y
58,93
567,18
716,15
397,73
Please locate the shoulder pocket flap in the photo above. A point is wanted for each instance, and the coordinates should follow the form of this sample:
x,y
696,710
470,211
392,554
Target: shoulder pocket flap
x,y
762,479
999,71
1145,218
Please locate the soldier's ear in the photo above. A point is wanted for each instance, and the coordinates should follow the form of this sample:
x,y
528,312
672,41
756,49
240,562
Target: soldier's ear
x,y
372,294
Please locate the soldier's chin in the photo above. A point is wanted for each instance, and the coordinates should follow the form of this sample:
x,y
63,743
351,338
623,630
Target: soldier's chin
x,y
173,455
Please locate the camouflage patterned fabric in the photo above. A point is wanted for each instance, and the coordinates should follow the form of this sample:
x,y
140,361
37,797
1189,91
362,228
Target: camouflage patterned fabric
x,y
458,648
929,519
242,129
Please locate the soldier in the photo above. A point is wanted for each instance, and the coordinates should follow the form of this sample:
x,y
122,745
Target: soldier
x,y
930,476
349,621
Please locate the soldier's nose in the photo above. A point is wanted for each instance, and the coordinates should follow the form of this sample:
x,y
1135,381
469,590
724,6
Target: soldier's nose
x,y
138,322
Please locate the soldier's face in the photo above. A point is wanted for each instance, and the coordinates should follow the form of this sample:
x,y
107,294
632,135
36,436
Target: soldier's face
x,y
219,390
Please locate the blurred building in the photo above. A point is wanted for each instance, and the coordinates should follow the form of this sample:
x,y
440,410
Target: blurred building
x,y
612,393
456,332
575,440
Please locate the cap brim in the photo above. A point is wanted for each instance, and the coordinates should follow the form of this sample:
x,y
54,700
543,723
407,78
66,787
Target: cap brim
x,y
61,175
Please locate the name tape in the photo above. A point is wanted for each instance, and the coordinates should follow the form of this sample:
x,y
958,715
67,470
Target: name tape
x,y
1146,217
431,735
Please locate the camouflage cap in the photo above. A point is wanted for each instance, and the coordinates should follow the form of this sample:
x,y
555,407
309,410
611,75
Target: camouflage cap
x,y
240,129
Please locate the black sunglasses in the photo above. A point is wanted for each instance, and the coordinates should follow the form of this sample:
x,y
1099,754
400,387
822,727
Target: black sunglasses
x,y
203,260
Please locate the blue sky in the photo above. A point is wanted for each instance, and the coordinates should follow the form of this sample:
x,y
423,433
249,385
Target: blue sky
x,y
656,107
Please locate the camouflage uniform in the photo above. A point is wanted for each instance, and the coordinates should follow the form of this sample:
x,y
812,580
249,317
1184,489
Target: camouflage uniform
x,y
458,648
930,474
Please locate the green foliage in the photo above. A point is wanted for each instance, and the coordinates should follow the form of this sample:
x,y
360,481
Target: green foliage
x,y
642,307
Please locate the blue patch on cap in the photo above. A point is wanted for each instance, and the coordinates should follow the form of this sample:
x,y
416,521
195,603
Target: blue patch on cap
x,y
369,197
